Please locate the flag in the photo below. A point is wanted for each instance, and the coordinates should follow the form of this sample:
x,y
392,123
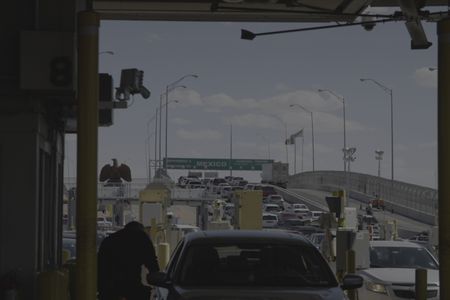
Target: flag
x,y
291,139
298,134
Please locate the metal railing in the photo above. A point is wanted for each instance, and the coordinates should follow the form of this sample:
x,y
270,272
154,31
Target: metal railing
x,y
130,190
418,201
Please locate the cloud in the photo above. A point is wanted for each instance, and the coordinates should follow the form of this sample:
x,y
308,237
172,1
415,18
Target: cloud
x,y
222,100
200,134
253,120
275,111
425,78
276,104
186,97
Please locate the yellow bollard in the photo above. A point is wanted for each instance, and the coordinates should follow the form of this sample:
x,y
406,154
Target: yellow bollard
x,y
421,284
70,266
163,255
351,268
53,285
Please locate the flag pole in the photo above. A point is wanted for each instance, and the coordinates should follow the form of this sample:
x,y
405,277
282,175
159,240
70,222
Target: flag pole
x,y
295,157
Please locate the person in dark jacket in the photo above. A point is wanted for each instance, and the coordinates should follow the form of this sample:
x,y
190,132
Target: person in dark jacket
x,y
120,258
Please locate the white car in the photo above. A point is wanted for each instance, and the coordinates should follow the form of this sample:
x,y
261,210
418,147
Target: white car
x,y
315,215
272,208
276,199
217,188
392,271
300,209
269,220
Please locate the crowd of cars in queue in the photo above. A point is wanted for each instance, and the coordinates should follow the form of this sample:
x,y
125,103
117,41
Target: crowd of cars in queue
x,y
282,261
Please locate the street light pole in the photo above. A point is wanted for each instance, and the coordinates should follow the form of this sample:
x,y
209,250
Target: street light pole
x,y
169,88
342,99
167,118
312,132
390,92
160,131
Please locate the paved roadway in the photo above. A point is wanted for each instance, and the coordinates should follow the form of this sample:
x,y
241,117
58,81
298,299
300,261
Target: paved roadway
x,y
406,227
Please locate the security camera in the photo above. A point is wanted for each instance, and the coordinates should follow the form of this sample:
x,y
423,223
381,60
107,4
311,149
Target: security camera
x,y
367,23
131,82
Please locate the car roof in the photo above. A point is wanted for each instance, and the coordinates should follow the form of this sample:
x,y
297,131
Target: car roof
x,y
269,214
381,243
217,236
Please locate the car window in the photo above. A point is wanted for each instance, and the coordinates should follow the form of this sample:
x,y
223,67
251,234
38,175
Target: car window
x,y
174,258
401,257
246,264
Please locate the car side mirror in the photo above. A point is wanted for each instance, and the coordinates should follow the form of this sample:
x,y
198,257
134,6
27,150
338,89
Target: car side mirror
x,y
158,279
352,281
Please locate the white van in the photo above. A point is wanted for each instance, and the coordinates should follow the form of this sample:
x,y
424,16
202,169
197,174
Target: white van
x,y
269,220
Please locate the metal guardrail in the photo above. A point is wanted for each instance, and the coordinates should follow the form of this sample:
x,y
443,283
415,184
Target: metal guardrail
x,y
417,202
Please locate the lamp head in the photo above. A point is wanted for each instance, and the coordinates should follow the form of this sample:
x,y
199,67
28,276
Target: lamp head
x,y
362,79
247,35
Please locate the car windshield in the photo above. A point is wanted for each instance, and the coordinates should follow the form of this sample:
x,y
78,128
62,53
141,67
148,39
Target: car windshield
x,y
401,257
268,189
247,264
269,217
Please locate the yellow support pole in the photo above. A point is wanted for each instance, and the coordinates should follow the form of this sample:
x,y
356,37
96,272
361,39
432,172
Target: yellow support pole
x,y
53,285
444,154
421,284
153,230
87,141
163,255
351,268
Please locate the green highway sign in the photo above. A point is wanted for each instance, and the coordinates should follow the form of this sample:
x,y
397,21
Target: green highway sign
x,y
216,164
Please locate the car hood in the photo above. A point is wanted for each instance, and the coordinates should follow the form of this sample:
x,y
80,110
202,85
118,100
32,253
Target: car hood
x,y
399,275
260,293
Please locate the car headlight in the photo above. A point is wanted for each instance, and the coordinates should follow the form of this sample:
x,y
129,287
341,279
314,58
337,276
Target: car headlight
x,y
376,287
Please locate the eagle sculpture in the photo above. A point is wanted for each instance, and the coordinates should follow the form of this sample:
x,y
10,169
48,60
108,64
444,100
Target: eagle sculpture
x,y
115,173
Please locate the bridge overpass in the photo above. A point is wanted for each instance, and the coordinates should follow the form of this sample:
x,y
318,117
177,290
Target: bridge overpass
x,y
408,200
414,202
413,206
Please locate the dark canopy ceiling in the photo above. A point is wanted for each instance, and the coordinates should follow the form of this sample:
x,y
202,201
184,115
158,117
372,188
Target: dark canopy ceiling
x,y
246,10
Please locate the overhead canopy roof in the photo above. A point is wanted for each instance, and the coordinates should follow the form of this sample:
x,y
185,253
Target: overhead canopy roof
x,y
243,10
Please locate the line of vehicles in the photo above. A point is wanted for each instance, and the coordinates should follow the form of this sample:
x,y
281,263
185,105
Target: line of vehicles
x,y
284,260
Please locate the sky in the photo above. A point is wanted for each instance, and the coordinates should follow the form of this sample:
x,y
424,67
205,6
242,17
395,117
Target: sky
x,y
250,86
